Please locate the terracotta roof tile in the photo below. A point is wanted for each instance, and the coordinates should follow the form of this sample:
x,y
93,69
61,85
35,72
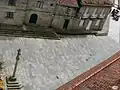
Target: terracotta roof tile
x,y
74,2
105,79
68,2
101,77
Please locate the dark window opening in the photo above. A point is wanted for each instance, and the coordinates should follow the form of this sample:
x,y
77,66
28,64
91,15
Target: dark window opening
x,y
66,23
51,4
77,11
12,2
40,4
9,15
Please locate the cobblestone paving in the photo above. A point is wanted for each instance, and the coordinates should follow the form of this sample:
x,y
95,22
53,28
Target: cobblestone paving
x,y
47,64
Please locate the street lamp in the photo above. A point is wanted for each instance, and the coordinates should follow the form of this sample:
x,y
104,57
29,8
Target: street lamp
x,y
13,78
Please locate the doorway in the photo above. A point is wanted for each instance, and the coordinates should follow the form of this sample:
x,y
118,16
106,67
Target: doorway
x,y
33,18
66,23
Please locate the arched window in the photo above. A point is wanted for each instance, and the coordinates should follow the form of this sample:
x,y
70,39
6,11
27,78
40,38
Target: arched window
x,y
12,2
40,4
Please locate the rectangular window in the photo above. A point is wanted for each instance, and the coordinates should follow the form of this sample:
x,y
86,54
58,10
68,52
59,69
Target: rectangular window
x,y
102,14
89,25
9,15
94,13
97,23
81,23
40,4
12,2
86,13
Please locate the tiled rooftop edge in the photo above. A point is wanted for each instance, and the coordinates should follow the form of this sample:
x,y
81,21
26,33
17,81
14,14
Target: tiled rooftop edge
x,y
88,74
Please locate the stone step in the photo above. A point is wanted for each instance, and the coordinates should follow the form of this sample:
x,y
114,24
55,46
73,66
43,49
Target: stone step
x,y
4,34
13,85
13,88
31,33
12,82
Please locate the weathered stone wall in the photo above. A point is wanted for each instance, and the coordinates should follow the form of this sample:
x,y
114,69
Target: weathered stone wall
x,y
17,20
44,14
58,22
21,4
42,20
17,10
88,17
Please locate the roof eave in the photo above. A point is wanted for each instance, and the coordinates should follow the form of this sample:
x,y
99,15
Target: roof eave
x,y
99,5
91,5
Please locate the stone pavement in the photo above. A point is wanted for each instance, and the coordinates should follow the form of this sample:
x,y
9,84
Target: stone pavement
x,y
47,64
114,30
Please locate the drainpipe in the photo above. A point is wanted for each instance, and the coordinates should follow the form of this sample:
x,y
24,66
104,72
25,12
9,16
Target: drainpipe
x,y
26,11
54,13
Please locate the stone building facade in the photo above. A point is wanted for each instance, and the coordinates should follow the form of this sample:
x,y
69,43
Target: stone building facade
x,y
91,17
26,11
59,14
12,13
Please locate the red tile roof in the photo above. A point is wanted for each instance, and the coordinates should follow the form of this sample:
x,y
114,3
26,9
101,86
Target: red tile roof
x,y
105,79
95,2
101,77
68,2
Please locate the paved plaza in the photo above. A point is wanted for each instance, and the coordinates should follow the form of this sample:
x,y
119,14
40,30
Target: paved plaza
x,y
48,64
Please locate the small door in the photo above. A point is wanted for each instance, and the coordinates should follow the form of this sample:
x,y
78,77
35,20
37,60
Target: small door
x,y
33,18
66,23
